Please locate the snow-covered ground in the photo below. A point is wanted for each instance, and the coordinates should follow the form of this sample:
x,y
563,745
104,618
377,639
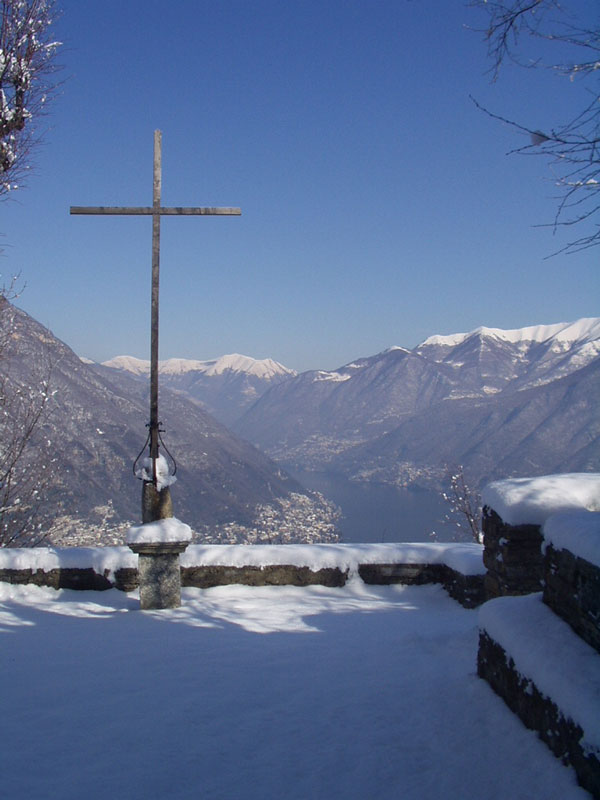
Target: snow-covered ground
x,y
246,692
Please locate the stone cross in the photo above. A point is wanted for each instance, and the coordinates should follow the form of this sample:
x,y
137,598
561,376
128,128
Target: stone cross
x,y
156,503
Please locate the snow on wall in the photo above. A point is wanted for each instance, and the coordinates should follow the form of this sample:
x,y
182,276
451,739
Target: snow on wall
x,y
49,558
464,558
578,532
530,501
548,652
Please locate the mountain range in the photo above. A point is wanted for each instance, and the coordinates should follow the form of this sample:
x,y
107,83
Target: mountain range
x,y
516,402
95,427
225,386
498,402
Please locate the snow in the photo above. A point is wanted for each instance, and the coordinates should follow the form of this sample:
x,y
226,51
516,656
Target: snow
x,y
261,368
258,692
547,651
264,368
129,364
164,477
587,329
530,501
336,377
578,532
465,558
163,530
101,559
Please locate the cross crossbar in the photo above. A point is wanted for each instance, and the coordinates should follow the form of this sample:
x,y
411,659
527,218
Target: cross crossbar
x,y
162,210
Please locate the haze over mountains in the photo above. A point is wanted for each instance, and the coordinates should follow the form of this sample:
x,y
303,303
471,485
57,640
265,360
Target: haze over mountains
x,y
501,403
96,428
516,402
225,386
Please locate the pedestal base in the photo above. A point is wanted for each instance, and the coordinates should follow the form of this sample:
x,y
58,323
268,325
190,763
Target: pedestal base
x,y
159,574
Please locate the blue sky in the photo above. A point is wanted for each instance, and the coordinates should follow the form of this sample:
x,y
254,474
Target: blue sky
x,y
379,206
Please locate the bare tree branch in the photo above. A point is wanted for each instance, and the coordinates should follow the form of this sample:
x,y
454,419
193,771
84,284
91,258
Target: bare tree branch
x,y
571,148
464,505
27,52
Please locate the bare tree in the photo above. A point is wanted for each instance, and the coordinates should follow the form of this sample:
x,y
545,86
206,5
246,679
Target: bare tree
x,y
464,505
545,28
25,458
27,52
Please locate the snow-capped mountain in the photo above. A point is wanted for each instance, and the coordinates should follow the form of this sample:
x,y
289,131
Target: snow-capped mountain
x,y
530,356
429,406
225,386
264,368
96,428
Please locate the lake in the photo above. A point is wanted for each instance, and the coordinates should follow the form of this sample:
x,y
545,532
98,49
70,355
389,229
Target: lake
x,y
382,513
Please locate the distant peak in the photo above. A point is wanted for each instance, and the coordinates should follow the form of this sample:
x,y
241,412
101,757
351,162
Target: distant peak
x,y
263,368
587,329
128,364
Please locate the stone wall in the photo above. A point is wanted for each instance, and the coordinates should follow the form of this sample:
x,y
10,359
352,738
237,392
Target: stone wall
x,y
512,556
466,589
572,590
205,577
78,578
538,712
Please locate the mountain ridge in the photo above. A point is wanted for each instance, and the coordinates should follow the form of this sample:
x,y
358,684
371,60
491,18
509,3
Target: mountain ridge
x,y
396,407
97,427
235,362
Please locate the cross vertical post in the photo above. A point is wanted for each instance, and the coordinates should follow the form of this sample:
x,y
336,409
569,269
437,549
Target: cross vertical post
x,y
156,499
154,303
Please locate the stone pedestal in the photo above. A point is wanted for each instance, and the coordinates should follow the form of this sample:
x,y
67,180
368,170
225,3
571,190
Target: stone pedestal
x,y
159,573
156,504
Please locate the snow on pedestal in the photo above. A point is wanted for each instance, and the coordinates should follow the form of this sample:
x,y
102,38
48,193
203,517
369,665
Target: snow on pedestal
x,y
158,545
161,531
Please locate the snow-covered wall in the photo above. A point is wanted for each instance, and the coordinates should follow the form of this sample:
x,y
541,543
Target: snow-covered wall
x,y
530,501
548,676
515,511
541,652
572,572
458,566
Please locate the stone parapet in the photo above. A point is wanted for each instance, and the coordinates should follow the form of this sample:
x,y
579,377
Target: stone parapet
x,y
512,556
205,577
464,581
572,590
563,735
79,578
468,590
